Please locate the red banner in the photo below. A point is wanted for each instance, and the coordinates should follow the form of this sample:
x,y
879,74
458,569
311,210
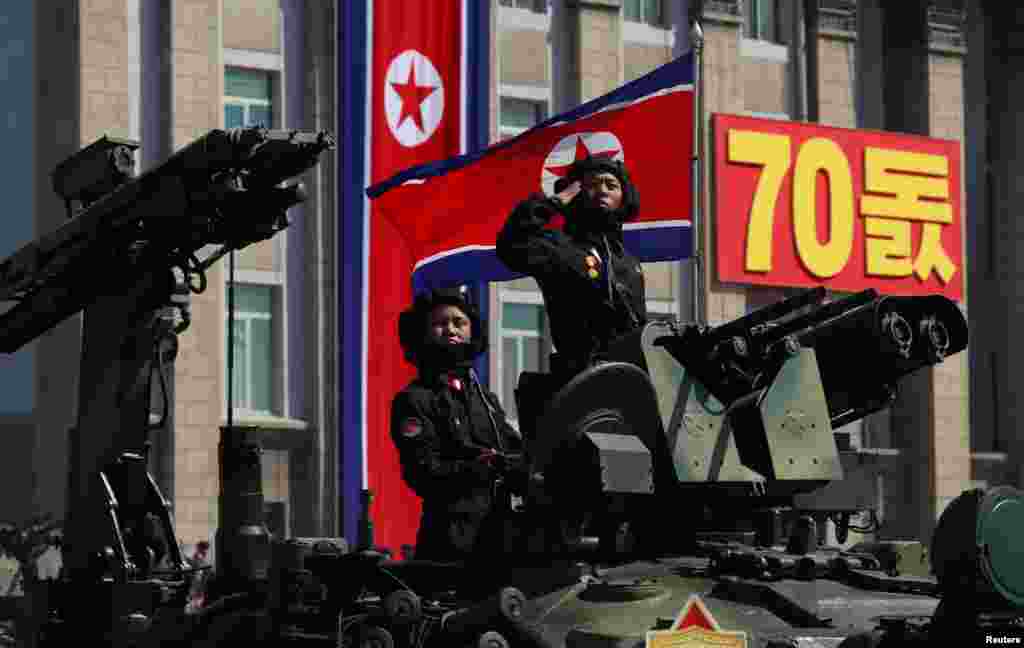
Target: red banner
x,y
800,204
416,100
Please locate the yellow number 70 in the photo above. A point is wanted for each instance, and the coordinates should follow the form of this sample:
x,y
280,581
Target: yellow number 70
x,y
772,152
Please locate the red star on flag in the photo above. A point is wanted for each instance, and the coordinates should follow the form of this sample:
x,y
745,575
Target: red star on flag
x,y
695,614
412,96
581,152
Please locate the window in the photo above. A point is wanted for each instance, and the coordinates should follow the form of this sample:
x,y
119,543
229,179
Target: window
x,y
540,6
518,115
761,21
248,98
650,12
522,327
254,349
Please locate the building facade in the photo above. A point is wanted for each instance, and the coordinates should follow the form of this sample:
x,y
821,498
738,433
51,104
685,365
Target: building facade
x,y
165,72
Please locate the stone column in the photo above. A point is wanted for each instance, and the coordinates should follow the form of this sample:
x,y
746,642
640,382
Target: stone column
x,y
321,262
156,115
996,140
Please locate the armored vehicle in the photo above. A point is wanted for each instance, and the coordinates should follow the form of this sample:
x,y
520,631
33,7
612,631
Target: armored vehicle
x,y
696,461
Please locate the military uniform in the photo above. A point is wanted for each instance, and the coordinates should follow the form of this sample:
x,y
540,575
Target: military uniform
x,y
593,288
442,423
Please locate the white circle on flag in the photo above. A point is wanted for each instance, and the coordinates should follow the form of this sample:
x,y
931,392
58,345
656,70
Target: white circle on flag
x,y
413,98
573,147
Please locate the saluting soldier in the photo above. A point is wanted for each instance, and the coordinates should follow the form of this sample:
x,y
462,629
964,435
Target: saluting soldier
x,y
451,433
593,287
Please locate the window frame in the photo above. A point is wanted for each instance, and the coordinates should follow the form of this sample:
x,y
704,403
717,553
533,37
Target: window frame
x,y
277,397
543,335
272,64
540,97
751,26
660,22
272,103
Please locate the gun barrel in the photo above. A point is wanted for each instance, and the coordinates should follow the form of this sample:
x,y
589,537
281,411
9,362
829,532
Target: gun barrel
x,y
892,336
749,324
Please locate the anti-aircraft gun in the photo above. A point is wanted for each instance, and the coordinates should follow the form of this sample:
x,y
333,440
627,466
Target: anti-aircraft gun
x,y
131,252
742,414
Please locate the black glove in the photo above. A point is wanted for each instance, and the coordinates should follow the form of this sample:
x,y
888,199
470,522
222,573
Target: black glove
x,y
483,469
522,482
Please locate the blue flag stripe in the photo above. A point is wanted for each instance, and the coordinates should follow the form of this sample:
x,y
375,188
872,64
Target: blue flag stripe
x,y
658,243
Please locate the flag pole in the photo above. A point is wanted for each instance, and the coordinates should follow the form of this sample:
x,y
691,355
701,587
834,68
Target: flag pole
x,y
696,178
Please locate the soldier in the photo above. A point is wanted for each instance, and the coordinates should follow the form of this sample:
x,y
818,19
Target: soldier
x,y
451,433
593,288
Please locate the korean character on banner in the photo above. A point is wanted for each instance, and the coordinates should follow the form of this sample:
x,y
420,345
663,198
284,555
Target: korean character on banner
x,y
902,187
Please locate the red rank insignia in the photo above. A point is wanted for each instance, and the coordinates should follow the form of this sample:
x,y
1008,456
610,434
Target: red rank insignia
x,y
412,427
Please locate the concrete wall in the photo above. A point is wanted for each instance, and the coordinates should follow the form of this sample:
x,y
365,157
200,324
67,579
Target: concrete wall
x,y
252,25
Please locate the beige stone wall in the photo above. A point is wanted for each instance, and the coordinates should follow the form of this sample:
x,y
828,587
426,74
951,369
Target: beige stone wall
x,y
199,373
264,256
252,25
523,57
836,106
641,59
599,50
104,69
764,86
723,92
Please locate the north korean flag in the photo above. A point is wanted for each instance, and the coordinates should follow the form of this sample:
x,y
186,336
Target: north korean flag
x,y
409,72
448,213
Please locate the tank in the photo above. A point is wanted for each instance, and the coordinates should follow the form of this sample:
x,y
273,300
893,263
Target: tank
x,y
707,463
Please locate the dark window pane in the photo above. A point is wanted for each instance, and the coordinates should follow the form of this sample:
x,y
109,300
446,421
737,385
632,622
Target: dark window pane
x,y
251,84
253,299
260,116
522,317
239,354
262,363
234,116
632,10
652,12
520,113
766,19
